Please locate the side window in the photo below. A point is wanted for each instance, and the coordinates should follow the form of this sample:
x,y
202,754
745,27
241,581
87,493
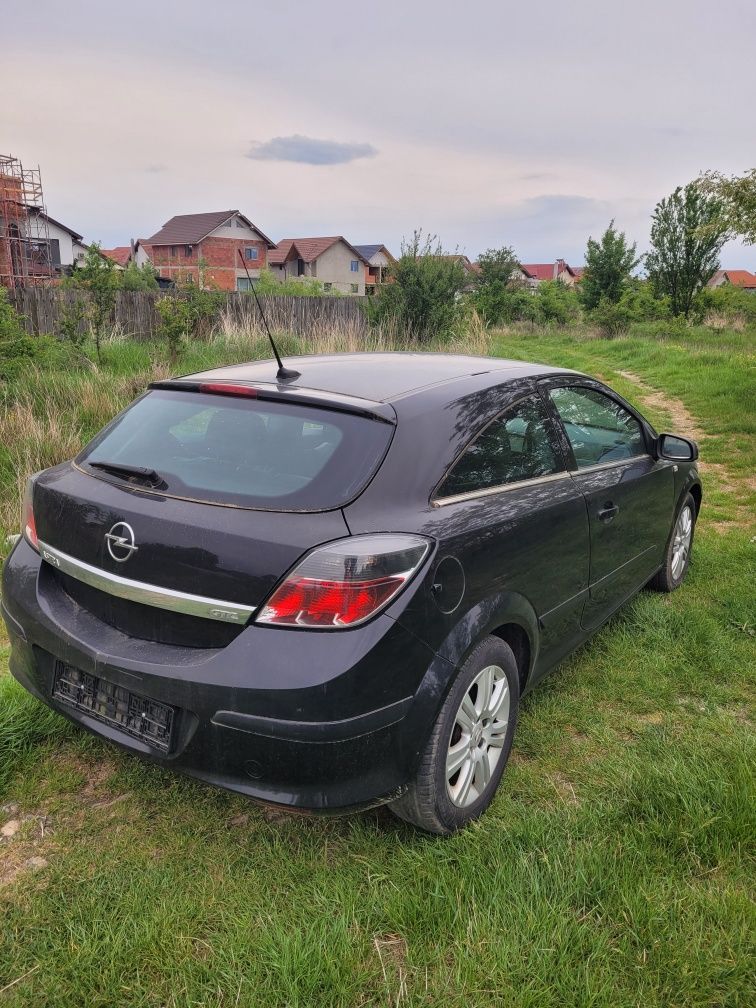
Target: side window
x,y
513,447
597,427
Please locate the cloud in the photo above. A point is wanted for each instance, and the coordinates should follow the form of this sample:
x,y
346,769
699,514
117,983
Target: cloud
x,y
308,150
154,169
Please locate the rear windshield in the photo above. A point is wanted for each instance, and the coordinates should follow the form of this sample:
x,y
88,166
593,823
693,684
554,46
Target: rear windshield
x,y
247,452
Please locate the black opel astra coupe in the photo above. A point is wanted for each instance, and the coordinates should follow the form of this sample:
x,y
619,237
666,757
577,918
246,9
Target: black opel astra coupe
x,y
332,591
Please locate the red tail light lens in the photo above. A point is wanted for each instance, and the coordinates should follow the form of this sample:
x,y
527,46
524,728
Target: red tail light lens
x,y
344,583
28,526
228,388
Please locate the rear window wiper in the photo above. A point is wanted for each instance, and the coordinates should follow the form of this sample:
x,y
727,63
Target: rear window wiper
x,y
131,472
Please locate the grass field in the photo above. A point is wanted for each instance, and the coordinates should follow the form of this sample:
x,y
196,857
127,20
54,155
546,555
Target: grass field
x,y
615,867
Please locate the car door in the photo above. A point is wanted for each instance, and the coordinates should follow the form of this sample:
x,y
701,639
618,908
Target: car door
x,y
510,509
629,493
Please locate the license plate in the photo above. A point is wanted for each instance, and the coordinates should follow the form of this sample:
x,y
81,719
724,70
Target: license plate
x,y
136,715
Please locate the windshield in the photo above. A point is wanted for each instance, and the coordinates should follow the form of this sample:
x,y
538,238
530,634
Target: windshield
x,y
222,449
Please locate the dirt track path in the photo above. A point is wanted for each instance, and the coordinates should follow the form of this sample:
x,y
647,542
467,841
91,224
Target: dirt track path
x,y
684,422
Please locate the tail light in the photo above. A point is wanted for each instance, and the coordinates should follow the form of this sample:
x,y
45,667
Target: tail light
x,y
346,582
28,526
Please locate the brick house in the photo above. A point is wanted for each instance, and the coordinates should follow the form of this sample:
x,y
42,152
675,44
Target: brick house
x,y
337,264
211,241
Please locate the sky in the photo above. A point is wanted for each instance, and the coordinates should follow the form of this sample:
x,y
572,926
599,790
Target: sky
x,y
486,122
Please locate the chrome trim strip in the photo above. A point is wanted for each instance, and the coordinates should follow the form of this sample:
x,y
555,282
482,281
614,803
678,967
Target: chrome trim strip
x,y
146,594
611,465
472,494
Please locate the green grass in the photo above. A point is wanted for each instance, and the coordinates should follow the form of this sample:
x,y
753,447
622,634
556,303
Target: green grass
x,y
615,867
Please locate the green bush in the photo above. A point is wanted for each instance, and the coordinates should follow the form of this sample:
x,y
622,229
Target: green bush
x,y
500,304
269,286
637,305
556,302
176,323
424,297
11,325
727,305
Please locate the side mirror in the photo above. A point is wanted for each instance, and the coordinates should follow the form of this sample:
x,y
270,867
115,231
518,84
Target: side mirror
x,y
675,448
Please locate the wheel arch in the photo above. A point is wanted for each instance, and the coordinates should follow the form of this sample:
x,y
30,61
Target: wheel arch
x,y
516,636
696,492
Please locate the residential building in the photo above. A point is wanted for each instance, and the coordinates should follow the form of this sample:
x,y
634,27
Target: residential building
x,y
337,264
34,247
738,278
559,270
67,247
121,255
208,244
378,259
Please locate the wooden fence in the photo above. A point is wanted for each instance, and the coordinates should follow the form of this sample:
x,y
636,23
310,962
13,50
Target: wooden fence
x,y
135,315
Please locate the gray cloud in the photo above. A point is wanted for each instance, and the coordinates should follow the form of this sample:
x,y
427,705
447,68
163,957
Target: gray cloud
x,y
308,150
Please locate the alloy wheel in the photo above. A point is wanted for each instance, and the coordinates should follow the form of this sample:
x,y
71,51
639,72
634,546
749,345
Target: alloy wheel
x,y
478,735
681,541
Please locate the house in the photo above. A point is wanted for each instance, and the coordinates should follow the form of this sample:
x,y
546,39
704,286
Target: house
x,y
121,255
333,261
67,247
34,247
208,244
559,270
378,259
738,278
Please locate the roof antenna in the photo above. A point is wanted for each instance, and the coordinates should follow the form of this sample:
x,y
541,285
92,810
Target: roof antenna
x,y
283,374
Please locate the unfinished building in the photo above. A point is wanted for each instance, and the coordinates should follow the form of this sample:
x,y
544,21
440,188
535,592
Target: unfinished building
x,y
25,252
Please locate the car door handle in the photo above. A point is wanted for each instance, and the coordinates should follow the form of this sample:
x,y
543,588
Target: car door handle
x,y
608,511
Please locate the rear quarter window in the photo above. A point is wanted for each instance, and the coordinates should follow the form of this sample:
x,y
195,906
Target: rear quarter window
x,y
245,452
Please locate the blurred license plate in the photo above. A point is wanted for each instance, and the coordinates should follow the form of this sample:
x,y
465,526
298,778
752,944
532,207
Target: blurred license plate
x,y
136,715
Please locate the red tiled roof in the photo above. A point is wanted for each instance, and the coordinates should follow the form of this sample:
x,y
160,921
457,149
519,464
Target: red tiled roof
x,y
540,271
120,254
189,229
307,249
741,278
547,271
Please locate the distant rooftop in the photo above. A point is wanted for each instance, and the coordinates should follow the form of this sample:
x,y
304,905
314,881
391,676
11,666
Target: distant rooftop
x,y
307,249
189,229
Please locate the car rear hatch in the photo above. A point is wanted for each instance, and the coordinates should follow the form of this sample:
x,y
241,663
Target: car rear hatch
x,y
177,521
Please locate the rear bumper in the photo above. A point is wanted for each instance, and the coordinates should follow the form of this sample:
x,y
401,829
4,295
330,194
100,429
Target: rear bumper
x,y
320,721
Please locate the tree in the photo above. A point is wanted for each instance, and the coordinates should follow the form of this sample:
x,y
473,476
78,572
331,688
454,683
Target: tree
x,y
97,276
609,264
686,240
424,293
737,198
497,285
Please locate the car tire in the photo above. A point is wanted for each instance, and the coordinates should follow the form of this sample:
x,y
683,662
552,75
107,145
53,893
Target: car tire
x,y
474,728
679,546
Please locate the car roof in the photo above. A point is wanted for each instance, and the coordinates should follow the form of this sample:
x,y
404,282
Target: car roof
x,y
377,377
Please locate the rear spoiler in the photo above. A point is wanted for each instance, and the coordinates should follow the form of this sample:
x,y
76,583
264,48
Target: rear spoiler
x,y
383,412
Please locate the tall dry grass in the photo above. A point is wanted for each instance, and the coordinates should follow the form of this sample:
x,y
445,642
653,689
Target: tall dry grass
x,y
50,418
344,336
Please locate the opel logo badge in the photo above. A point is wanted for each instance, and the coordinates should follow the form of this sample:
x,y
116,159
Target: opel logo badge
x,y
120,541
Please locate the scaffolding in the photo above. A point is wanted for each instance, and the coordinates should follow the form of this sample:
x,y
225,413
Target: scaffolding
x,y
25,251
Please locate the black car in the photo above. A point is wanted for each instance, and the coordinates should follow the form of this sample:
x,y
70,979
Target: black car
x,y
332,591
